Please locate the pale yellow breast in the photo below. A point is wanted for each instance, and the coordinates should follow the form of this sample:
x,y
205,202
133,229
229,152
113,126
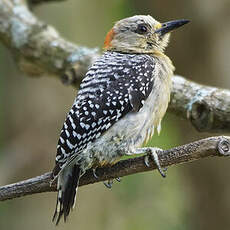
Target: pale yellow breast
x,y
160,96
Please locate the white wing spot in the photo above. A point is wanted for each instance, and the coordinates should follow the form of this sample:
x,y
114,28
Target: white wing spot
x,y
67,133
69,144
82,124
73,125
63,151
74,134
62,140
108,125
98,135
93,124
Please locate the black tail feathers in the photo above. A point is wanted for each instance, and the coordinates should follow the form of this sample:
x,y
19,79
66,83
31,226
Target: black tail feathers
x,y
67,190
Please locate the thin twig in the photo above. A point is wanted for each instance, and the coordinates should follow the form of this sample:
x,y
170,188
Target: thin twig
x,y
212,146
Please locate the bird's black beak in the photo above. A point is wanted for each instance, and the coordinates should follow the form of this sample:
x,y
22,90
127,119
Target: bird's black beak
x,y
170,26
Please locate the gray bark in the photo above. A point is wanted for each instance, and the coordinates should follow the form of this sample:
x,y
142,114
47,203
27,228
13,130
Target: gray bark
x,y
39,50
212,146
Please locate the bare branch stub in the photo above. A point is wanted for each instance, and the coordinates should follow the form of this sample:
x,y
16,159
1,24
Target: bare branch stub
x,y
224,147
212,146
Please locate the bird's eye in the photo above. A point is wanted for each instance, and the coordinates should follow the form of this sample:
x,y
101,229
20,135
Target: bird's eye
x,y
141,29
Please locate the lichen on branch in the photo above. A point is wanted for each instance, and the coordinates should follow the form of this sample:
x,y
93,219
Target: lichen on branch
x,y
39,50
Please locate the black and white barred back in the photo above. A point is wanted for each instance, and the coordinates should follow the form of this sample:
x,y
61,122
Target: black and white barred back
x,y
115,85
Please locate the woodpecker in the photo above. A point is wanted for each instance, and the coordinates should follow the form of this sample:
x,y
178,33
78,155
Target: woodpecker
x,y
120,102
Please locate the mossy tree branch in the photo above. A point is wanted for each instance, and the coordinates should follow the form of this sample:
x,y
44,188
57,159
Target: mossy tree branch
x,y
39,50
207,108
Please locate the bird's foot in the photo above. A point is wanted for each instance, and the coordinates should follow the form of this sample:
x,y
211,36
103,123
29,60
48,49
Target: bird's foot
x,y
153,155
108,184
118,179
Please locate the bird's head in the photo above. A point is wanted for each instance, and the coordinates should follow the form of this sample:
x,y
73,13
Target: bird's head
x,y
140,34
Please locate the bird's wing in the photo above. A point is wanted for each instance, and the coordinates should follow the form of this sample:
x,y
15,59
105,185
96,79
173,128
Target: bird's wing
x,y
108,93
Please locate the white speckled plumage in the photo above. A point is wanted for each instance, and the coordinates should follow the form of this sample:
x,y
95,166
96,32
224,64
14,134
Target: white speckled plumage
x,y
122,99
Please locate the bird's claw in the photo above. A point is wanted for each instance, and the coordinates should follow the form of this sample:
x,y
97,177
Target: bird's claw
x,y
94,174
118,179
154,156
108,184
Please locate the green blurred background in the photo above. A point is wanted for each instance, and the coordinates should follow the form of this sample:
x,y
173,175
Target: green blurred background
x,y
193,196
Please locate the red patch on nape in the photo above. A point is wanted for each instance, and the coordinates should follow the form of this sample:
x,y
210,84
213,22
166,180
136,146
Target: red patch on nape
x,y
108,39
